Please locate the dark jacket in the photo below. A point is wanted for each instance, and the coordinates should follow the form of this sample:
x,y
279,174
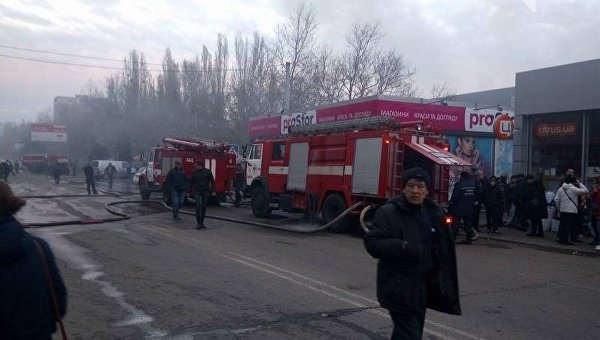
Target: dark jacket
x,y
492,196
202,180
110,171
88,171
176,179
535,200
397,240
462,202
26,310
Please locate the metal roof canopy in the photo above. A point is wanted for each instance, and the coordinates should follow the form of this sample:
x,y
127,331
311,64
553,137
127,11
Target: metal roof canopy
x,y
438,155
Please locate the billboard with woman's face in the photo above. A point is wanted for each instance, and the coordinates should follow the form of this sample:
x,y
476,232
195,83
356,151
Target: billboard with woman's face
x,y
475,150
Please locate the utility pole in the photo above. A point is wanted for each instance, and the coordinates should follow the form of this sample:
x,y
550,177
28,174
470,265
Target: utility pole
x,y
286,107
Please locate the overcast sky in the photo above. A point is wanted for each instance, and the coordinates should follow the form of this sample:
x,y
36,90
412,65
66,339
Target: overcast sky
x,y
471,45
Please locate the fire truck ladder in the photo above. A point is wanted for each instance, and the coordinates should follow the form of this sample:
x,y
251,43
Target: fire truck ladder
x,y
195,143
371,123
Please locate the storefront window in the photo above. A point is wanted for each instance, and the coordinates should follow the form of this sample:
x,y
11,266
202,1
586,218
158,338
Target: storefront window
x,y
593,168
556,143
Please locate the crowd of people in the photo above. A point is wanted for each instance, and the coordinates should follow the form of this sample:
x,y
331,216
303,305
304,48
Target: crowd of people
x,y
522,202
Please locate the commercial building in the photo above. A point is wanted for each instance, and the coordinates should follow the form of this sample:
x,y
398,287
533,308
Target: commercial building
x,y
557,120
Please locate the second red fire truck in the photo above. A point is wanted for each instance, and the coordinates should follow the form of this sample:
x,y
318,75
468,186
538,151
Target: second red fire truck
x,y
216,156
326,168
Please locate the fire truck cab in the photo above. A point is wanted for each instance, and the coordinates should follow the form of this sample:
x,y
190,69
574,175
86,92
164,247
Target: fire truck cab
x,y
216,157
326,168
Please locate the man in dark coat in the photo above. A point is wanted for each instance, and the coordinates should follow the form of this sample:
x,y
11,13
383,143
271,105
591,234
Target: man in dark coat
x,y
417,262
26,309
90,181
462,204
494,206
110,171
536,207
202,183
175,185
521,203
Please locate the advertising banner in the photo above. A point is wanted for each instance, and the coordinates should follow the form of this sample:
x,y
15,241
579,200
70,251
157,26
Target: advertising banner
x,y
447,117
296,119
264,126
498,123
475,150
48,133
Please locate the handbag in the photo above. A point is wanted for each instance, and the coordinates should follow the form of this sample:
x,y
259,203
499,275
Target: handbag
x,y
51,289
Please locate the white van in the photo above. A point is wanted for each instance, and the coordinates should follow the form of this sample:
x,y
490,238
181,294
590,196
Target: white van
x,y
99,165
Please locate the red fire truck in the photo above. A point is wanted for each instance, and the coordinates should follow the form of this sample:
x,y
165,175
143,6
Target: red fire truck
x,y
326,168
216,157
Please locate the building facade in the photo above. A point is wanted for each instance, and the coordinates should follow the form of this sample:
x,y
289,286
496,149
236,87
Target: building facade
x,y
557,120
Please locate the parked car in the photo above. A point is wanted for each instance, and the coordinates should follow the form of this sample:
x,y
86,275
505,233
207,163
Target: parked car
x,y
100,165
136,176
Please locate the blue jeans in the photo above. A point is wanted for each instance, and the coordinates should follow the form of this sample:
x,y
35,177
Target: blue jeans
x,y
176,200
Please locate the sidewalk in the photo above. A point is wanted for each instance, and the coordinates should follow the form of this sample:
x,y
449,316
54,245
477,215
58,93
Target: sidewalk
x,y
548,242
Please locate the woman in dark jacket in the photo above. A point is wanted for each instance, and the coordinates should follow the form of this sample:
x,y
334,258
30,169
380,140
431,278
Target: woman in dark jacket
x,y
26,309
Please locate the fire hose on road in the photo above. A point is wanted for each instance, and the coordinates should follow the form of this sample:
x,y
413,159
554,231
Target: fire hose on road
x,y
123,216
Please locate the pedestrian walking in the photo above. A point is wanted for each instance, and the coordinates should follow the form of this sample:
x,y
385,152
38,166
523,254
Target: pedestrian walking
x,y
595,215
5,170
110,172
33,296
203,182
90,181
56,171
462,205
566,201
176,184
417,262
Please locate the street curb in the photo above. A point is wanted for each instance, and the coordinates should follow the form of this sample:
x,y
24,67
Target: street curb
x,y
565,250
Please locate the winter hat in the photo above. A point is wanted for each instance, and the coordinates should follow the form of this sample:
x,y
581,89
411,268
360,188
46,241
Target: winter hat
x,y
9,203
418,174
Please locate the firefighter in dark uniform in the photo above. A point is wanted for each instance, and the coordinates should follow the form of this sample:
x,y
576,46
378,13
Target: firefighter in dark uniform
x,y
202,183
110,171
462,204
417,261
90,181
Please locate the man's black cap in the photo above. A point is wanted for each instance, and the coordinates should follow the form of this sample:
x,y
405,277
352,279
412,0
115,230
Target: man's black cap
x,y
418,174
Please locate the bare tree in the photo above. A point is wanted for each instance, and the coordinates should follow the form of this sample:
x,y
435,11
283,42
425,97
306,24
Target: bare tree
x,y
295,44
45,116
361,41
442,91
252,83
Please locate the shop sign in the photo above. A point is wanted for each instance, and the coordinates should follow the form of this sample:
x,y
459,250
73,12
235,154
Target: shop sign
x,y
549,130
297,119
501,124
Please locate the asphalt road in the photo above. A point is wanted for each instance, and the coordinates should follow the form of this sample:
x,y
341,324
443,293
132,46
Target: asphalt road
x,y
154,278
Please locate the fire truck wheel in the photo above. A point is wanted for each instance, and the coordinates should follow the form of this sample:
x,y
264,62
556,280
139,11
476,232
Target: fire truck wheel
x,y
333,206
260,202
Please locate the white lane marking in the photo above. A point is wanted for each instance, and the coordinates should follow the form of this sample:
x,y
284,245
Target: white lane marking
x,y
349,293
76,258
216,251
